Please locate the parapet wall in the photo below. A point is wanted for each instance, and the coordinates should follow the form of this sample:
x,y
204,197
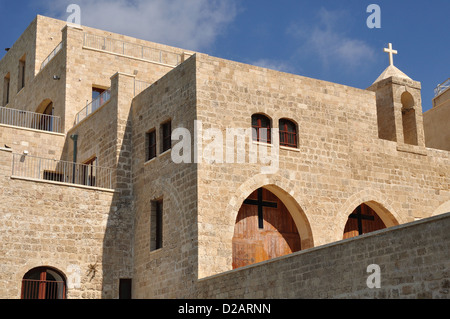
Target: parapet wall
x,y
414,262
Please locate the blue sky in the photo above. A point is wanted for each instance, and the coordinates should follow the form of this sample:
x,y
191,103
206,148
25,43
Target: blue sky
x,y
323,39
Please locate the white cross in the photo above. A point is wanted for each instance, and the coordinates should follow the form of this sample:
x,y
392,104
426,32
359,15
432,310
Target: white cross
x,y
391,54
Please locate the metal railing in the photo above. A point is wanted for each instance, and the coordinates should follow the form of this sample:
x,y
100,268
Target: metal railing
x,y
442,87
140,86
31,120
93,106
131,50
43,289
45,169
288,139
51,55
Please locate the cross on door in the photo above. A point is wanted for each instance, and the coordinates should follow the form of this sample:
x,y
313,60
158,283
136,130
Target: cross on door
x,y
260,203
359,216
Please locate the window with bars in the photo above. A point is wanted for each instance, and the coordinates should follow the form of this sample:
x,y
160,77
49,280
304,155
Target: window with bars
x,y
43,283
261,128
288,133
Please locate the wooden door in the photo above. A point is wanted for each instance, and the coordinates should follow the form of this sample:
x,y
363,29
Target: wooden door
x,y
277,237
363,220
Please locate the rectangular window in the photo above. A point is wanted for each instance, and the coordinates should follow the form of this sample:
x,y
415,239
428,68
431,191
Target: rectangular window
x,y
21,79
156,225
166,136
89,172
6,84
125,288
150,142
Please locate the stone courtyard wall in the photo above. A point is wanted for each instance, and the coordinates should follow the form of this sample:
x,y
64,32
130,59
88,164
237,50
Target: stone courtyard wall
x,y
414,261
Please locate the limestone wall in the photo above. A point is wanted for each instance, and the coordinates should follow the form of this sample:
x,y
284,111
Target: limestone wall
x,y
169,272
44,224
339,164
413,260
436,126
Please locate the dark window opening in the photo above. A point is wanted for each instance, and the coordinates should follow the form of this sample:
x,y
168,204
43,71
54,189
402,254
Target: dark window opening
x,y
125,286
156,225
166,136
151,145
288,133
261,128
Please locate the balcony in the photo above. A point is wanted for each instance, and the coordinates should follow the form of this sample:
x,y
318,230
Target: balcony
x,y
43,169
93,106
132,50
51,55
30,120
442,87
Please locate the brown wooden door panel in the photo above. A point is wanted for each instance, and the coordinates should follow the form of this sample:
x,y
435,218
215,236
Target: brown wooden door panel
x,y
278,237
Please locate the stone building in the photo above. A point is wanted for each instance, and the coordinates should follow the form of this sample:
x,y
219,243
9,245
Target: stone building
x,y
130,168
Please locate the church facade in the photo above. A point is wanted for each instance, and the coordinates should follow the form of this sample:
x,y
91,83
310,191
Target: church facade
x,y
134,169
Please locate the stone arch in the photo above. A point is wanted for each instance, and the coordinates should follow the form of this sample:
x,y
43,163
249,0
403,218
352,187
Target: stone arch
x,y
58,275
44,120
43,106
442,209
169,193
278,186
376,201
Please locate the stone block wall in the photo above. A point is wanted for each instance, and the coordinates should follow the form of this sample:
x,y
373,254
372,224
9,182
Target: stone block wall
x,y
413,260
339,164
169,272
44,224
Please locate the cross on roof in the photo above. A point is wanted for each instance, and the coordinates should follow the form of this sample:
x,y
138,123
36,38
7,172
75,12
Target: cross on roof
x,y
391,54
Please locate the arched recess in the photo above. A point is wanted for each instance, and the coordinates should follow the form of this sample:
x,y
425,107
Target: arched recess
x,y
43,283
409,123
442,209
285,228
44,119
372,199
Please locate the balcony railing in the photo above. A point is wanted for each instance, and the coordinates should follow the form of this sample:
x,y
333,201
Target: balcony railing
x,y
37,168
140,86
51,55
31,120
442,87
131,50
93,106
43,289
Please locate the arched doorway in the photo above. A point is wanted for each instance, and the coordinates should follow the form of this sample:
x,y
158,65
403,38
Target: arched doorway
x,y
362,220
44,116
264,230
43,283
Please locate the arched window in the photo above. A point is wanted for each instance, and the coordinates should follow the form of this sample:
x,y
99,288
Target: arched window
x,y
288,133
43,283
261,128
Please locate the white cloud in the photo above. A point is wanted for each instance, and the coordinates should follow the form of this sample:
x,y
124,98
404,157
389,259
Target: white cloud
x,y
326,41
276,65
192,24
